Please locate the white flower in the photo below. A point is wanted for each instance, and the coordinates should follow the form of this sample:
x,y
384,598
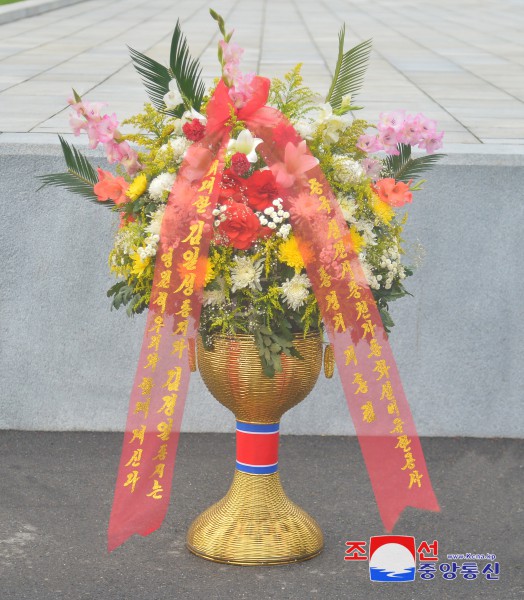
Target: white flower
x,y
246,144
215,297
161,184
295,291
246,273
325,113
371,279
366,231
156,221
345,101
347,171
191,114
173,98
333,128
349,207
179,145
305,129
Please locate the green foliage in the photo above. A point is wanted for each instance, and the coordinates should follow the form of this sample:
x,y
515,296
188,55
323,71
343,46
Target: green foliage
x,y
184,69
349,70
80,177
403,168
290,96
272,343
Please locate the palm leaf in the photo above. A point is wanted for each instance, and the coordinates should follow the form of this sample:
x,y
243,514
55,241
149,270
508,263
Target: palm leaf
x,y
186,70
80,177
403,168
349,70
155,77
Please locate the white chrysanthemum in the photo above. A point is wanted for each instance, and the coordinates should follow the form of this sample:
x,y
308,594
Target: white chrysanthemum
x,y
366,231
295,291
349,207
180,146
215,297
156,221
347,171
246,273
305,129
161,184
371,279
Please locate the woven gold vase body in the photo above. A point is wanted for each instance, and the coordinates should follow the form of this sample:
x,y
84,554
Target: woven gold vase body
x,y
256,523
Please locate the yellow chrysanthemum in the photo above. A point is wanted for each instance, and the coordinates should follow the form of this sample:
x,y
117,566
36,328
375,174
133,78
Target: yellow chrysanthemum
x,y
290,254
383,211
138,187
139,264
357,241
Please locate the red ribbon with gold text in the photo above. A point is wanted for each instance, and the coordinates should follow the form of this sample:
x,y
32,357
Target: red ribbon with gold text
x,y
372,386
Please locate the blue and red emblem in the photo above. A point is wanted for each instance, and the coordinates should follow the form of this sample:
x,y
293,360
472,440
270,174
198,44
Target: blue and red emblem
x,y
257,448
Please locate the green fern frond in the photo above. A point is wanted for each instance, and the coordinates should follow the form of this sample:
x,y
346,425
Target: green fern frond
x,y
349,70
186,70
80,177
403,168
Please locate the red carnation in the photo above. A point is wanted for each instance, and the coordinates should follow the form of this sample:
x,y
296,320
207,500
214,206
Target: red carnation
x,y
262,190
232,187
240,164
241,226
194,130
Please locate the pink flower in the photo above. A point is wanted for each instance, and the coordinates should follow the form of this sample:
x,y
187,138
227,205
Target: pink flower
x,y
77,124
242,90
369,143
431,141
372,167
392,120
231,53
297,161
389,140
412,130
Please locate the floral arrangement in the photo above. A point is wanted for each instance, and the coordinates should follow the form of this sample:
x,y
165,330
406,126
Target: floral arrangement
x,y
254,279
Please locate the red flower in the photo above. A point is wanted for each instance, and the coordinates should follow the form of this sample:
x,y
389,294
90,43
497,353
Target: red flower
x,y
233,188
194,130
282,134
262,190
240,164
394,193
241,226
125,220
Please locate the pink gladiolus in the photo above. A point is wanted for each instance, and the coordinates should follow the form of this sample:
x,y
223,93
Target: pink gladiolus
x,y
431,141
231,53
369,143
392,120
241,91
297,161
389,140
412,130
372,167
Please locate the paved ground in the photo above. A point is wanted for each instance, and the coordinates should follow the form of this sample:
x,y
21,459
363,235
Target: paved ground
x,y
461,63
57,491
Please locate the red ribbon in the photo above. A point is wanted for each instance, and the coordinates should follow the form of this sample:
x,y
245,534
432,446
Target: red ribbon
x,y
367,369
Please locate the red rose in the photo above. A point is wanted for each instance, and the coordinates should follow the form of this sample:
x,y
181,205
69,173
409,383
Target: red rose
x,y
262,190
194,130
241,226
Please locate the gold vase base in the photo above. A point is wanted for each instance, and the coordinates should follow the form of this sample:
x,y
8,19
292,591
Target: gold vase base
x,y
255,524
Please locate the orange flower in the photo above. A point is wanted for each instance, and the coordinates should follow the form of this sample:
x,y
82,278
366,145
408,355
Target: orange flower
x,y
394,193
110,187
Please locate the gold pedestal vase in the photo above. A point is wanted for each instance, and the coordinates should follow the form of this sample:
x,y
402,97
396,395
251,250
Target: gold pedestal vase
x,y
256,523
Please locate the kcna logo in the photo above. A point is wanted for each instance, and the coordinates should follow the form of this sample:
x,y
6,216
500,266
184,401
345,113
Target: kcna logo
x,y
391,557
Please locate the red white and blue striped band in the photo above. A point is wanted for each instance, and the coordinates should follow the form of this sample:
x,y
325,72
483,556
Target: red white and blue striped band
x,y
257,448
